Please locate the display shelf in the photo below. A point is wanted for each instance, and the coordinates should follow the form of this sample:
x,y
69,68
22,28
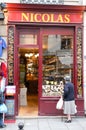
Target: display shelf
x,y
54,66
52,60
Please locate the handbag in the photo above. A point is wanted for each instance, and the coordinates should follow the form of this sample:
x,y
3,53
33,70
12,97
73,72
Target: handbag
x,y
59,104
3,108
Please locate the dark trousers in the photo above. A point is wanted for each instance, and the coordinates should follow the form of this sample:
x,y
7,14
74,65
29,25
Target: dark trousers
x,y
1,119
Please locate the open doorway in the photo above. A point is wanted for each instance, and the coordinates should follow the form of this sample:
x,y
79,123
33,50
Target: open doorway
x,y
28,81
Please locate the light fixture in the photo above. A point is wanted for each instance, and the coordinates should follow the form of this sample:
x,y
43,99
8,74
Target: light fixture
x,y
36,55
28,54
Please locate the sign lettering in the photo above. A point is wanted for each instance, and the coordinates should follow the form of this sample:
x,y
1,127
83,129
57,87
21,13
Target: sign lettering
x,y
37,17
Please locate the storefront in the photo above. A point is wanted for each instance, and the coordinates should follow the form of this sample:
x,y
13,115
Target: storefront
x,y
44,45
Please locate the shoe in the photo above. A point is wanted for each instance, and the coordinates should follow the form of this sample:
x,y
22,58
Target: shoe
x,y
2,126
68,121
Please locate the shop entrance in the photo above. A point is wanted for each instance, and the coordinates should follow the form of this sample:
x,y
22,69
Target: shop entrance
x,y
28,80
42,56
27,67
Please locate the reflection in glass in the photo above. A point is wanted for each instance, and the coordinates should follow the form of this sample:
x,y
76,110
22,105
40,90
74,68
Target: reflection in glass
x,y
28,39
57,63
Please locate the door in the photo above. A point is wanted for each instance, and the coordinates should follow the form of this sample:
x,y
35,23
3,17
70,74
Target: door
x,y
28,68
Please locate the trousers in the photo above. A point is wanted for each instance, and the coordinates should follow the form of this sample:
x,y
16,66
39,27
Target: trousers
x,y
1,119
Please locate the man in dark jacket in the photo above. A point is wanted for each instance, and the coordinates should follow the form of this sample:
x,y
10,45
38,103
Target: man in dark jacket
x,y
1,114
68,97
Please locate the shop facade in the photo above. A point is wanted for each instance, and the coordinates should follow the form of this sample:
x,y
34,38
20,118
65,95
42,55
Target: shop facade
x,y
45,43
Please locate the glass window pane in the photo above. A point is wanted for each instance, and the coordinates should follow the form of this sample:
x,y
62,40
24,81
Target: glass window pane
x,y
28,39
57,63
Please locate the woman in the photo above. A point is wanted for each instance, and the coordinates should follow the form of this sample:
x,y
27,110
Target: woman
x,y
68,97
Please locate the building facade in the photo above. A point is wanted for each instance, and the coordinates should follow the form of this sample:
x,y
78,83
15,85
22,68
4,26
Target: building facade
x,y
45,43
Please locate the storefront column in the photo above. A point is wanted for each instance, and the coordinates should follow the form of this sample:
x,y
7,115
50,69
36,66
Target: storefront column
x,y
84,62
10,55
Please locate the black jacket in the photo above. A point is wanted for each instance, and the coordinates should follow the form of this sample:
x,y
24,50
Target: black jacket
x,y
68,92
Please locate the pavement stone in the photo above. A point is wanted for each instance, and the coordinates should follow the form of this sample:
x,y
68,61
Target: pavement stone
x,y
48,123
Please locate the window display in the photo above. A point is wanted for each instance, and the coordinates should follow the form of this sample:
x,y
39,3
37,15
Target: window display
x,y
57,63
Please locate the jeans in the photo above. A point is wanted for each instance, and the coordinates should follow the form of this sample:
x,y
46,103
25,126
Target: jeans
x,y
1,119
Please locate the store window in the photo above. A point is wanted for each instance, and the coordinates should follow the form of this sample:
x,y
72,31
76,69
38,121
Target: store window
x,y
57,63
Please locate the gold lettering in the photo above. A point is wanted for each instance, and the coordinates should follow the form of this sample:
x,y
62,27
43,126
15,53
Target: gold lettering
x,y
52,18
45,18
37,17
24,17
67,18
60,18
31,17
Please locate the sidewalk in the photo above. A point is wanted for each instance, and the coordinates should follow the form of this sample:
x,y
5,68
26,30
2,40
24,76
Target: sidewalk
x,y
48,123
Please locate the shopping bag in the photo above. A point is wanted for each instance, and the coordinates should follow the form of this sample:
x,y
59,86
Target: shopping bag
x,y
59,104
3,108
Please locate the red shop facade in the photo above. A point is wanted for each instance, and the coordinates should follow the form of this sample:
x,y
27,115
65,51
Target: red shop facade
x,y
45,43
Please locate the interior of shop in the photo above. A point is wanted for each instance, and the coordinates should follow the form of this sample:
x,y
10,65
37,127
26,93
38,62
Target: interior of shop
x,y
28,81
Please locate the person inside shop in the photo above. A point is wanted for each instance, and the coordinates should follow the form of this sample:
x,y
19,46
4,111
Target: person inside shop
x,y
29,78
2,89
69,99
